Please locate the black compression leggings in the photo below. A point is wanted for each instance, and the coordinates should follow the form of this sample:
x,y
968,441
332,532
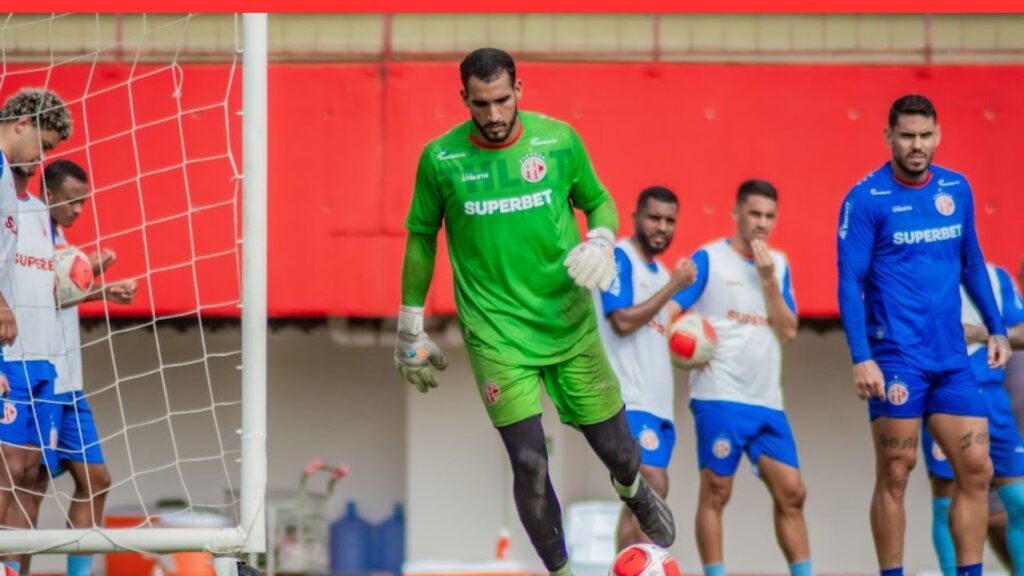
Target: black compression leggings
x,y
531,488
534,495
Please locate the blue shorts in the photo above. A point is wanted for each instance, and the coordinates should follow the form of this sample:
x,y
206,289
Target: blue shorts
x,y
913,393
77,439
1006,446
727,429
28,419
657,437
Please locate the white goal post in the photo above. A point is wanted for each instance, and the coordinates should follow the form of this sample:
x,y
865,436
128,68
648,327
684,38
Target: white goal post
x,y
248,536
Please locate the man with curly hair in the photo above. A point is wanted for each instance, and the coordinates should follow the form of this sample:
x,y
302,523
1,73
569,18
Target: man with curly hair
x,y
32,123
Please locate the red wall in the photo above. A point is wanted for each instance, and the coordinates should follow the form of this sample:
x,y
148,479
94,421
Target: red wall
x,y
344,141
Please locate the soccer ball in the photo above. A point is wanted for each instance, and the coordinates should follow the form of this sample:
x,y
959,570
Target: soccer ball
x,y
74,276
691,340
644,560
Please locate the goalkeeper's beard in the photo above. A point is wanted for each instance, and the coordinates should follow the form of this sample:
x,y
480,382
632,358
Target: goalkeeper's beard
x,y
511,127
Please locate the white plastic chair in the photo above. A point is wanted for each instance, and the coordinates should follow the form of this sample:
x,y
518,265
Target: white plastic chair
x,y
590,529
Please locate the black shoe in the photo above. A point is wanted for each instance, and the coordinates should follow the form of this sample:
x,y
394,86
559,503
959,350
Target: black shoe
x,y
653,514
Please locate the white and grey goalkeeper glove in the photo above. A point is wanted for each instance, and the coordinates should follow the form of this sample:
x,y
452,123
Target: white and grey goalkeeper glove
x,y
592,263
416,355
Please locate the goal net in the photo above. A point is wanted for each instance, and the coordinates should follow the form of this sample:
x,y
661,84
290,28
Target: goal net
x,y
176,378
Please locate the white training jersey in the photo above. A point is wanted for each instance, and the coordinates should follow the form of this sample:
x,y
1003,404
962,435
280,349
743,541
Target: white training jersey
x,y
8,226
69,340
641,359
969,313
747,366
33,281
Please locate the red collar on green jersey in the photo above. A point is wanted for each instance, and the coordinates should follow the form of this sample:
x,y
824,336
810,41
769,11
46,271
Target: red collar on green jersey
x,y
506,144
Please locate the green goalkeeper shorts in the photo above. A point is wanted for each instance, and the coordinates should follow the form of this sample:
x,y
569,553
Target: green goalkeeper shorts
x,y
583,388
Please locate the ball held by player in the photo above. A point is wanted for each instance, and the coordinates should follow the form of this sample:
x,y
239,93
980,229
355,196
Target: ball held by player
x,y
692,341
74,276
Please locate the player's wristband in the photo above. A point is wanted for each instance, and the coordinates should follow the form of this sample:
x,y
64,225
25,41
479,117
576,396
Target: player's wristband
x,y
410,320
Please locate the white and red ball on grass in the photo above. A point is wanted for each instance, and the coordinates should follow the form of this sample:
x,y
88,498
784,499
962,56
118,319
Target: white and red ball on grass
x,y
644,560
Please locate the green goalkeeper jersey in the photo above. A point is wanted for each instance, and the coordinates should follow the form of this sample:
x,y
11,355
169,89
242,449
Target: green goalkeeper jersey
x,y
509,221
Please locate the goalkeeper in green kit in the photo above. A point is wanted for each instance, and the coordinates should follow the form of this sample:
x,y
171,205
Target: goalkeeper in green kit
x,y
505,185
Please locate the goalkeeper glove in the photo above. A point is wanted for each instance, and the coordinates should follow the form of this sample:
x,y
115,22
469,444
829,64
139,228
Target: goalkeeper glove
x,y
592,263
416,355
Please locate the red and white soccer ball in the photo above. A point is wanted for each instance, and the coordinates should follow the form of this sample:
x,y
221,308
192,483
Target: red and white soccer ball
x,y
644,560
74,276
691,340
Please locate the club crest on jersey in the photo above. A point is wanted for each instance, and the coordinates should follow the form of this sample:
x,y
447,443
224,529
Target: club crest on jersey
x,y
10,413
491,393
649,440
944,204
721,448
937,453
533,168
898,393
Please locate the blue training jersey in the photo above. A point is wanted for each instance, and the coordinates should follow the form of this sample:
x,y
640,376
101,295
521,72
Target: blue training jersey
x,y
904,250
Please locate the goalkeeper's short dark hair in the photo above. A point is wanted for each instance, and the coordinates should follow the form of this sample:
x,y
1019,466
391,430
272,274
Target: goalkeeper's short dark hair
x,y
755,187
58,171
911,105
487,64
659,193
43,106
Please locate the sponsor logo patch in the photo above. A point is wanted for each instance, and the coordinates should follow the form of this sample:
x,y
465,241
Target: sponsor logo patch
x,y
845,226
443,155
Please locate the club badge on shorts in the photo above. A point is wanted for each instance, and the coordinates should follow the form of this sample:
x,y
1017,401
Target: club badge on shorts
x,y
721,448
897,393
491,392
649,440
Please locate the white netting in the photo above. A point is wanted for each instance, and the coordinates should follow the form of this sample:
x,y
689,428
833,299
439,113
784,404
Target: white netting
x,y
157,127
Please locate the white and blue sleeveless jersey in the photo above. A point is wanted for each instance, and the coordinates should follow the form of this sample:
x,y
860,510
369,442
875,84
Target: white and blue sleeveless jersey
x,y
641,359
1011,308
904,249
747,365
